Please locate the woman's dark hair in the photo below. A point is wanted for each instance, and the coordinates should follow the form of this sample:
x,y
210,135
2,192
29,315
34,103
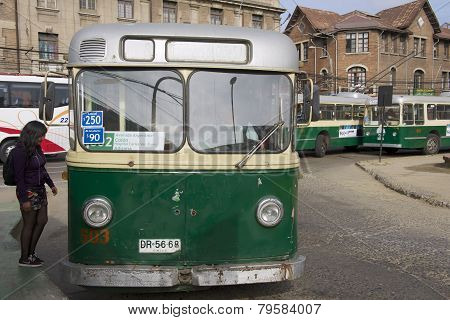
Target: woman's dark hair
x,y
30,135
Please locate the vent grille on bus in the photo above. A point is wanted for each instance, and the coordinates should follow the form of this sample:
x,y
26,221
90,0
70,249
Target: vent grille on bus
x,y
93,49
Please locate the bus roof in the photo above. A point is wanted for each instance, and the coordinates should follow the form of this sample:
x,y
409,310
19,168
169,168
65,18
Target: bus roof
x,y
164,45
33,79
420,99
338,99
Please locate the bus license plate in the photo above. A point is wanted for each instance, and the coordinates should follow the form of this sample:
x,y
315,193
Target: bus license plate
x,y
159,245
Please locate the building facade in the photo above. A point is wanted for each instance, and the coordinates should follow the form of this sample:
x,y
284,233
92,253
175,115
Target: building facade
x,y
35,38
404,46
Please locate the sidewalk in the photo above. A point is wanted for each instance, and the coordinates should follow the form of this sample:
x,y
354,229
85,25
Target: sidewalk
x,y
421,177
17,282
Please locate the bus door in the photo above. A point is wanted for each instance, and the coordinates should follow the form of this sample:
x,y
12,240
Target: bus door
x,y
413,119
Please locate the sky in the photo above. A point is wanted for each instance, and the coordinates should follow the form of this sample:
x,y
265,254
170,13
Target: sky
x,y
441,7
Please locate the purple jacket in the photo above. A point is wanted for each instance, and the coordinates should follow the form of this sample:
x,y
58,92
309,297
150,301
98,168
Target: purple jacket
x,y
29,173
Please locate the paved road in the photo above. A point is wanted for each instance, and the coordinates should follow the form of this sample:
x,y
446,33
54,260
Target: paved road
x,y
361,240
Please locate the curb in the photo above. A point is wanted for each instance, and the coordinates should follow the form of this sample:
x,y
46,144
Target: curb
x,y
405,190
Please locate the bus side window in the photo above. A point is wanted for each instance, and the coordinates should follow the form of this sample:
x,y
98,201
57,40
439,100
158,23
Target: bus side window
x,y
418,114
358,112
443,112
408,114
3,95
25,95
431,112
61,95
326,111
343,112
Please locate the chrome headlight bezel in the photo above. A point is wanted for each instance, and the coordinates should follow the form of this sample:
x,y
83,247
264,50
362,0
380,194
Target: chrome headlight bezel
x,y
97,201
264,203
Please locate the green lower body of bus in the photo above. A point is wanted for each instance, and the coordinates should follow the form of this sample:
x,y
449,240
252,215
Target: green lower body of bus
x,y
406,137
213,214
306,137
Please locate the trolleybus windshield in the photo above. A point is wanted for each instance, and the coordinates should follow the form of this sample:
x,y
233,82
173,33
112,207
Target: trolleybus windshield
x,y
142,110
231,112
391,115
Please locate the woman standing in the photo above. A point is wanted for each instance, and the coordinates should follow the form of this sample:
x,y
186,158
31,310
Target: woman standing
x,y
31,177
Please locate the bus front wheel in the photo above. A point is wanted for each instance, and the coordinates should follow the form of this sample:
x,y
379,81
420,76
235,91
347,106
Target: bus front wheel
x,y
5,149
321,146
432,145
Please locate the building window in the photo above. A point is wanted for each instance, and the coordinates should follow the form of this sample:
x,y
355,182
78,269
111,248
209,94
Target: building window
x,y
125,9
363,42
324,46
351,43
216,16
418,79
393,76
403,45
49,4
361,38
87,4
419,47
446,50
302,49
446,80
324,79
169,12
257,21
385,42
48,46
394,43
356,77
436,51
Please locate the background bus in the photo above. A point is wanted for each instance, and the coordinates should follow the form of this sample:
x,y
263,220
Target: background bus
x,y
412,122
340,124
19,104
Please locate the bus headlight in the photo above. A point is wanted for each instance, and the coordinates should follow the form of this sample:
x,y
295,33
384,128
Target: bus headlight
x,y
97,212
269,212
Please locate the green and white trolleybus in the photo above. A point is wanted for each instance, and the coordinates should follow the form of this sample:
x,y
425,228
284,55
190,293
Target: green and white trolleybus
x,y
340,124
412,122
182,170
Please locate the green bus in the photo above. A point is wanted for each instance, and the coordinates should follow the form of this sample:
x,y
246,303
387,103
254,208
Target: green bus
x,y
181,168
340,124
412,122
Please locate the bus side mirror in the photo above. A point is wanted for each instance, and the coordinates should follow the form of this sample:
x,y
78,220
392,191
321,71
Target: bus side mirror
x,y
47,101
311,101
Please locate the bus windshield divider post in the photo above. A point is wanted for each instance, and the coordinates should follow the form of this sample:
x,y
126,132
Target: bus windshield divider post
x,y
384,99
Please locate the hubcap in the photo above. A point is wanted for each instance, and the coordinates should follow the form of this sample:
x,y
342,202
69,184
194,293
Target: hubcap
x,y
8,150
432,145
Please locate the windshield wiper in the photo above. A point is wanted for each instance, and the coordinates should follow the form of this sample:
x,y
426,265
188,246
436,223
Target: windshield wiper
x,y
244,160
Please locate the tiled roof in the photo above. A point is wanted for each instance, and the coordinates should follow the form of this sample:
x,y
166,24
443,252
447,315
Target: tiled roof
x,y
320,19
402,16
362,20
396,19
444,34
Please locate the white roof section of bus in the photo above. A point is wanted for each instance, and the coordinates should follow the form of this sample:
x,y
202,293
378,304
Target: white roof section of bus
x,y
269,50
420,99
34,79
337,100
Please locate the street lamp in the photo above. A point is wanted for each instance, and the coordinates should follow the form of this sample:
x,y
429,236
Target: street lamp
x,y
328,55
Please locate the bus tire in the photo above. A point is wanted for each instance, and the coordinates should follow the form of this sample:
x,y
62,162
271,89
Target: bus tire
x,y
351,148
432,145
6,148
390,150
321,146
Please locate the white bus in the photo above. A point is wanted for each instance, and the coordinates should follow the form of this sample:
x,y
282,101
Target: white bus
x,y
19,104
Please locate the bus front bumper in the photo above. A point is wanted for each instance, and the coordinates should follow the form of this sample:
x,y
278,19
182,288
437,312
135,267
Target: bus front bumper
x,y
201,276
